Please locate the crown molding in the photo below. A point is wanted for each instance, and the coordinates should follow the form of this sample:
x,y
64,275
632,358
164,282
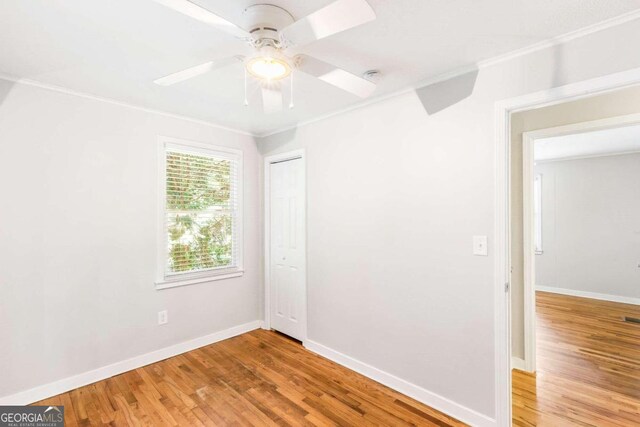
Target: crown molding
x,y
564,38
67,91
381,98
545,44
582,32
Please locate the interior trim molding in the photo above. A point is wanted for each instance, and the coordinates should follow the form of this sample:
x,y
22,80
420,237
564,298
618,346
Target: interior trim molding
x,y
503,110
585,31
427,397
67,91
529,249
519,364
591,295
563,38
587,156
544,44
61,386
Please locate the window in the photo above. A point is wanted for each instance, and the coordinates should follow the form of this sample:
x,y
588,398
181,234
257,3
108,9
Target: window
x,y
201,216
537,213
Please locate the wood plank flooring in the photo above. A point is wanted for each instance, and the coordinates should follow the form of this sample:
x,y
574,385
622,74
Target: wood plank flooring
x,y
588,365
260,378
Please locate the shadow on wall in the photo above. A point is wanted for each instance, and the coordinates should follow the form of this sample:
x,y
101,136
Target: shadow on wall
x,y
5,89
283,141
559,76
442,95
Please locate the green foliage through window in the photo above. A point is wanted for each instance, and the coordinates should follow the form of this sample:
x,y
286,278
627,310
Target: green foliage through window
x,y
200,211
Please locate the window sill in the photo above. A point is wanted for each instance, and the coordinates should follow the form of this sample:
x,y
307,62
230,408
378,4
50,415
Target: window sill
x,y
166,284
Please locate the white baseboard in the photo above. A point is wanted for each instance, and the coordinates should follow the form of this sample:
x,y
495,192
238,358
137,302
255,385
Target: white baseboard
x,y
61,386
427,397
592,295
519,364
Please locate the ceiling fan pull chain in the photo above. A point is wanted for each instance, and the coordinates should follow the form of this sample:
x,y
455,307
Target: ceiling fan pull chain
x,y
246,100
291,102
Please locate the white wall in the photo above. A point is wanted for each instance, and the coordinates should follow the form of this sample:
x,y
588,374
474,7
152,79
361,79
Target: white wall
x,y
394,197
78,179
591,225
617,103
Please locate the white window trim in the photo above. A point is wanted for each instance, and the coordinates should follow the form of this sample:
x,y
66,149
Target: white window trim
x,y
164,280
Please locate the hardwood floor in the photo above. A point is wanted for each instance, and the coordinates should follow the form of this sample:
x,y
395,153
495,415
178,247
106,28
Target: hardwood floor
x,y
588,365
260,378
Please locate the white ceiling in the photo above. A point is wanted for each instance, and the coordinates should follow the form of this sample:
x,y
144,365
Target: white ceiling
x,y
116,48
603,142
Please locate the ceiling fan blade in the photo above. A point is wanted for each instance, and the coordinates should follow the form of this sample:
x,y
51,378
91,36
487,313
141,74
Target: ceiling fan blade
x,y
196,71
201,14
271,99
336,76
336,17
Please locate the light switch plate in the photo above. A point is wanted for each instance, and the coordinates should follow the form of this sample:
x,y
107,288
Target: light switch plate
x,y
480,246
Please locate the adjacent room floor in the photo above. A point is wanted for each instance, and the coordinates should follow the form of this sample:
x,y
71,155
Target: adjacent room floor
x,y
588,365
260,378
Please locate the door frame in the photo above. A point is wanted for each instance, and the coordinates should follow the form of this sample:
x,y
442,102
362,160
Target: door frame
x,y
528,175
502,232
268,161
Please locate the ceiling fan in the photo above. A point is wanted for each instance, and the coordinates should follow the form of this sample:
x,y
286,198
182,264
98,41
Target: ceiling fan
x,y
271,31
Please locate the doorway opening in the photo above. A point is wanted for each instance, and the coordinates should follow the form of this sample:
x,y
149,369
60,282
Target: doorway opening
x,y
568,250
575,243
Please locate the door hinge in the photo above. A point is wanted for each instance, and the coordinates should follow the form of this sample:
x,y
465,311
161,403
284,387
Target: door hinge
x,y
506,287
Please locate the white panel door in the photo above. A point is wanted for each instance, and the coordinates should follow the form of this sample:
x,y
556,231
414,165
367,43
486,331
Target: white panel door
x,y
287,248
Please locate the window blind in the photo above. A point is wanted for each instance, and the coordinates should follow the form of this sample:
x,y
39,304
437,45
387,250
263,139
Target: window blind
x,y
201,209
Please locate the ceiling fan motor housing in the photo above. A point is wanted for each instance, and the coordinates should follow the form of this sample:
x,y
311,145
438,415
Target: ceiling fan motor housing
x,y
264,21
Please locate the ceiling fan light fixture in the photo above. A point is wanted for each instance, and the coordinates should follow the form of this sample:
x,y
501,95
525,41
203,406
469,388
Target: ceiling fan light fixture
x,y
268,68
271,32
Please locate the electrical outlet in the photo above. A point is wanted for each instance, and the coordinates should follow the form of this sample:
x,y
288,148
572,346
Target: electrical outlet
x,y
163,317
